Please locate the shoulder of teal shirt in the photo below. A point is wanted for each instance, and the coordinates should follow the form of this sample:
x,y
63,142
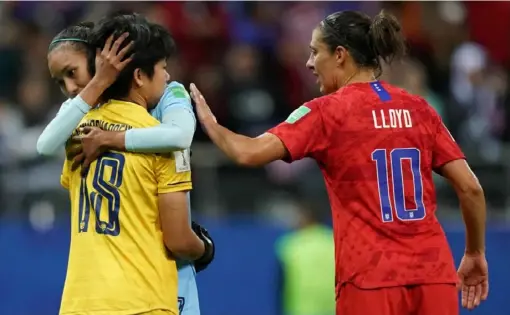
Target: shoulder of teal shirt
x,y
175,96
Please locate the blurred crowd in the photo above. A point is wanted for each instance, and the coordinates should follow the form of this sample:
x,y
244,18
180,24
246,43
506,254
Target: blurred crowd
x,y
248,58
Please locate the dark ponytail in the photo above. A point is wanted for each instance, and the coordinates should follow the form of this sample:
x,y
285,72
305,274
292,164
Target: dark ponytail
x,y
386,37
367,40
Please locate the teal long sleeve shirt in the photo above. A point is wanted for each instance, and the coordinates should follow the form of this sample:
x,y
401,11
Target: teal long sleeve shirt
x,y
174,111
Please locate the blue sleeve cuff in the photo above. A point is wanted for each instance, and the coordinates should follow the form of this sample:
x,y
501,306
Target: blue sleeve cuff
x,y
80,103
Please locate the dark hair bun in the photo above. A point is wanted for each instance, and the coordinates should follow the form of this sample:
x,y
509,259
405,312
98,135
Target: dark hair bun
x,y
386,37
367,40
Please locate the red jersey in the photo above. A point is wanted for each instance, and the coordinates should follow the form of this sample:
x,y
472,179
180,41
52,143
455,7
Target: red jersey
x,y
377,146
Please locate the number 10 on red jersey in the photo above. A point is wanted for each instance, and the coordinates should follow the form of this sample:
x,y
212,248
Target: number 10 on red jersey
x,y
384,164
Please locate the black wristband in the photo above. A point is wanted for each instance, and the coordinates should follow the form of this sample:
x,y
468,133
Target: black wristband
x,y
208,251
209,248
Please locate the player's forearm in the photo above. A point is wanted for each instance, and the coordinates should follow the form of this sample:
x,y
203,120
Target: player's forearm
x,y
161,138
471,199
178,236
187,247
472,203
148,140
237,147
175,133
61,127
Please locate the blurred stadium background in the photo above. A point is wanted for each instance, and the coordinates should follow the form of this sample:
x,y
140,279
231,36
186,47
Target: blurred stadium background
x,y
249,60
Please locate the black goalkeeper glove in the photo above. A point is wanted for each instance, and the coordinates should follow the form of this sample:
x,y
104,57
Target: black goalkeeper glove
x,y
208,256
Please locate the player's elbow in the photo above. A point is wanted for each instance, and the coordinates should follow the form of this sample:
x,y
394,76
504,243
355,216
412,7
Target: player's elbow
x,y
247,159
463,180
185,139
256,152
469,189
178,135
250,155
187,248
254,159
44,147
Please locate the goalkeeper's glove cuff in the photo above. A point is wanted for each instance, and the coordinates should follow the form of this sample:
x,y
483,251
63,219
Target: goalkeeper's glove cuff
x,y
209,251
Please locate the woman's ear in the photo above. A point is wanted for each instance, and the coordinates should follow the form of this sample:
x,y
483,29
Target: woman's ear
x,y
138,77
340,54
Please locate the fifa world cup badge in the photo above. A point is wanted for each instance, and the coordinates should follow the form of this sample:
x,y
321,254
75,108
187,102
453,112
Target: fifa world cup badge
x,y
297,114
182,161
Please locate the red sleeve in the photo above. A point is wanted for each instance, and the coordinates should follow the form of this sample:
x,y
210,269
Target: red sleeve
x,y
303,132
445,148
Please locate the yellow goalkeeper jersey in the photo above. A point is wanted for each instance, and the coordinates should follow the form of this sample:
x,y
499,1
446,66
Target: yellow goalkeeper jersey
x,y
117,261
